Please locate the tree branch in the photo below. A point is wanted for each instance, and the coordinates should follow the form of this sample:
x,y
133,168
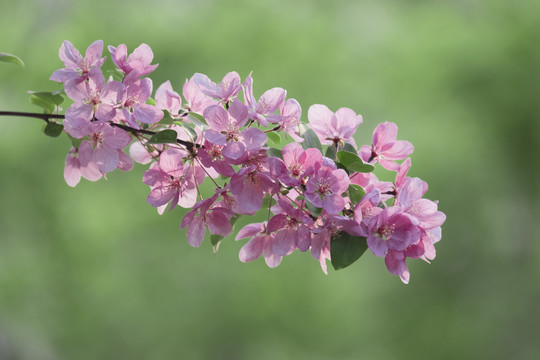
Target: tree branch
x,y
46,117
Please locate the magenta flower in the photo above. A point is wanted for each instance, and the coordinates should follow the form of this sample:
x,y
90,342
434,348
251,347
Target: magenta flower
x,y
260,242
138,61
216,219
334,129
268,103
250,185
77,67
169,182
225,91
385,148
292,226
300,163
324,189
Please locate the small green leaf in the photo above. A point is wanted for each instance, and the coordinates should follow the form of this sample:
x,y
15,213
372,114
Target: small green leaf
x,y
356,193
353,162
197,120
331,152
166,119
348,147
48,101
274,137
54,97
74,141
315,211
53,129
11,59
345,249
311,140
151,101
274,152
188,128
167,136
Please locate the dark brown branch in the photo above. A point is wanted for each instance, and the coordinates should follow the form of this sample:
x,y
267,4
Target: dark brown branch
x,y
46,117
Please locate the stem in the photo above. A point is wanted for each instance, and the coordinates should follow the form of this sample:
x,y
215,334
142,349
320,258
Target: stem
x,y
46,117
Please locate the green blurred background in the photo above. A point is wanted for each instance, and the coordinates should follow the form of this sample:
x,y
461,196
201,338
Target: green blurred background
x,y
94,272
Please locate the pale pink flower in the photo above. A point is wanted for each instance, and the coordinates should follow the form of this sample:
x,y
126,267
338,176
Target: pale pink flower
x,y
196,100
168,99
385,149
73,169
268,103
292,226
138,61
226,90
75,65
170,182
134,104
334,129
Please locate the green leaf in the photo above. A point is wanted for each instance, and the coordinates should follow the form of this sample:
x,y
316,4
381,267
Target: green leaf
x,y
166,119
353,162
273,137
74,141
356,193
331,152
53,129
54,97
189,129
167,136
315,211
216,239
197,120
48,101
11,59
151,101
274,152
345,249
311,140
348,147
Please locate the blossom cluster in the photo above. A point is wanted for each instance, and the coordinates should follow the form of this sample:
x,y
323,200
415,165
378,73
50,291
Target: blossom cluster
x,y
313,200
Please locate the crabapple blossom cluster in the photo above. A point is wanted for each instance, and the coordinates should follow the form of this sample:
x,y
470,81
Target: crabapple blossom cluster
x,y
317,193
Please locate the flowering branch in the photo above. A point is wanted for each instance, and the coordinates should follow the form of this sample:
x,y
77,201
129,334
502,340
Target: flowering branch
x,y
320,191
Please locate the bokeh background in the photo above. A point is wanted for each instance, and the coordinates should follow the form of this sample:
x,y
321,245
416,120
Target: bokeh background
x,y
94,272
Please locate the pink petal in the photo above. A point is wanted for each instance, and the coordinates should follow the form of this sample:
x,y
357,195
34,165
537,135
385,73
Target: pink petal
x,y
252,249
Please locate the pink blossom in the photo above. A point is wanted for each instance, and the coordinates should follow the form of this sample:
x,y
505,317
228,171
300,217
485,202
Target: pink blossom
x,y
134,104
385,148
169,182
260,242
104,146
290,114
292,226
168,99
217,219
225,91
334,129
267,104
94,98
250,185
225,130
75,65
138,61
196,100
324,189
73,169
